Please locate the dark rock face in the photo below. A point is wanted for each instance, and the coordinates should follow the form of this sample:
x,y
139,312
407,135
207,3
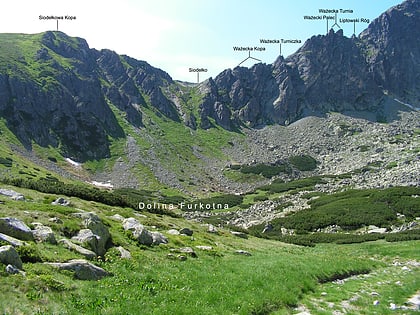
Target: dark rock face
x,y
328,73
65,100
393,51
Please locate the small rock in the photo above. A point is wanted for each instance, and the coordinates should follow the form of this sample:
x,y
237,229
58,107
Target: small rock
x,y
392,306
239,234
323,293
186,231
212,229
9,256
267,228
204,247
125,254
173,232
12,270
159,238
405,268
171,256
242,252
55,220
182,257
374,293
376,302
61,202
188,250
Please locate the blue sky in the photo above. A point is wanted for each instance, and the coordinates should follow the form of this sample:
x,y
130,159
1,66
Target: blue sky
x,y
176,35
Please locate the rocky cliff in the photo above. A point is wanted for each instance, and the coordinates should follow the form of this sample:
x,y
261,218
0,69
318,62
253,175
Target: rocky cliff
x,y
328,73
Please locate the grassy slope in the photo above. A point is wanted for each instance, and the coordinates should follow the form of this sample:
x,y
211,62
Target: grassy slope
x,y
277,277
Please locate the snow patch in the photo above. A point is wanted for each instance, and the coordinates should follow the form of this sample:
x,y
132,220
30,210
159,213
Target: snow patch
x,y
406,104
102,185
74,163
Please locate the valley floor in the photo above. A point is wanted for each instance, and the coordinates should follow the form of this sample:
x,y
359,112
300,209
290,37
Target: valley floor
x,y
220,273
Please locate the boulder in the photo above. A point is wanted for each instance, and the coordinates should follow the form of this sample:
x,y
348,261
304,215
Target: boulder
x,y
186,231
43,234
211,229
267,228
140,233
189,251
16,228
11,240
159,238
9,256
143,236
124,253
242,252
55,220
92,222
78,249
414,301
82,269
239,234
10,269
12,194
130,224
86,238
61,202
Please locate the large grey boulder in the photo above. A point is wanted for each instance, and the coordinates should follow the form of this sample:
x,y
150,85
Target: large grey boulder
x,y
43,234
16,228
92,222
88,254
9,256
82,269
140,233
